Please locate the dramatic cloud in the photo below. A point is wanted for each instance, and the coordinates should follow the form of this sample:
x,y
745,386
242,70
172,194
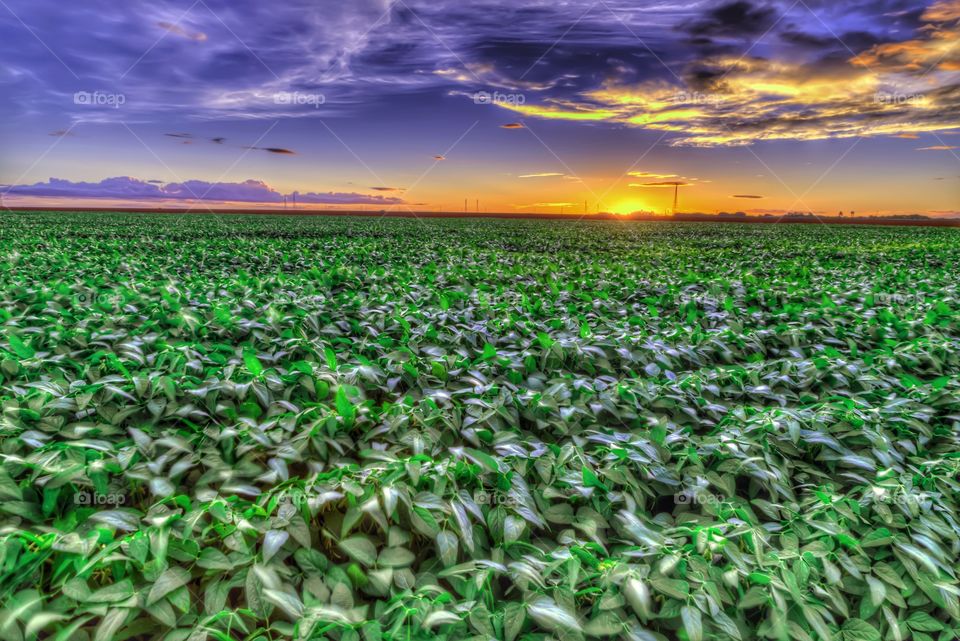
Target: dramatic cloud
x,y
120,187
737,19
698,71
253,191
127,188
901,87
943,11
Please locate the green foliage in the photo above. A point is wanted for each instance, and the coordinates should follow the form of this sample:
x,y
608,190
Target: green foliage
x,y
357,429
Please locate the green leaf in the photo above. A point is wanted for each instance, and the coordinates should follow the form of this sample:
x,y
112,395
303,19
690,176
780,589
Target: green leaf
x,y
592,480
759,578
919,620
345,407
692,623
169,581
213,559
360,549
551,616
514,615
20,348
676,588
254,366
858,630
119,591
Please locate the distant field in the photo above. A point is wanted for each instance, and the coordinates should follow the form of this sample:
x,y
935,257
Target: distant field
x,y
255,427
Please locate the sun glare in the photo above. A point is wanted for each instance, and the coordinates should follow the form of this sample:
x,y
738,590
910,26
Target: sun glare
x,y
625,207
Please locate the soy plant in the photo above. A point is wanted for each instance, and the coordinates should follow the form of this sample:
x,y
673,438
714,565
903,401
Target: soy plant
x,y
258,427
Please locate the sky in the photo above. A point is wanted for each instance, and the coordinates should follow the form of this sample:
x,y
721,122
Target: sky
x,y
761,106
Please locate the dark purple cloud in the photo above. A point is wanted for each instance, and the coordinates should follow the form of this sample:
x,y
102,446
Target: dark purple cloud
x,y
127,188
119,187
275,150
340,198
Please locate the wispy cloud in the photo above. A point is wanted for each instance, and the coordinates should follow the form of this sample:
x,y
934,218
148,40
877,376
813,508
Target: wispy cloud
x,y
647,174
557,205
178,30
275,150
665,183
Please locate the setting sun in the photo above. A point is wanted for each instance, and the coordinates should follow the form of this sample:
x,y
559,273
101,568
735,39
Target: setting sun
x,y
630,206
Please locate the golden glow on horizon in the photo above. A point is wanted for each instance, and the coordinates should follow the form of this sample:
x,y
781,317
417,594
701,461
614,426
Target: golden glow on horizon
x,y
629,206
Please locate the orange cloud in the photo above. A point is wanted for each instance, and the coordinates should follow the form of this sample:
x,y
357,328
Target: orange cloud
x,y
942,11
646,174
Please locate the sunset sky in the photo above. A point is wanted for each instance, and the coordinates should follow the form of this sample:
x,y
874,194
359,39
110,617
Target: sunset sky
x,y
764,107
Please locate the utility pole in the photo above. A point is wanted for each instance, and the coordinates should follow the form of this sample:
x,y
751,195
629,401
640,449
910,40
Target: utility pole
x,y
464,205
676,196
478,205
